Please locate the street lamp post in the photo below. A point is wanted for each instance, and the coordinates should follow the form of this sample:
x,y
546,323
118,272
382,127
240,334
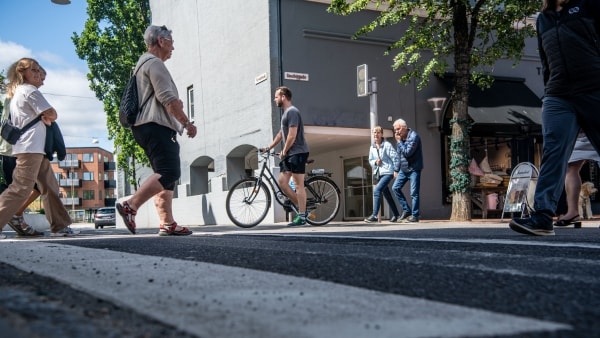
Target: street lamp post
x,y
72,191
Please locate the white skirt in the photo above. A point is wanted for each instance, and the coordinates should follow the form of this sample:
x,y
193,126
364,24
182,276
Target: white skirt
x,y
583,150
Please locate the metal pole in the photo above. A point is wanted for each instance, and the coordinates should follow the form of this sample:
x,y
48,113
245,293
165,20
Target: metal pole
x,y
373,120
72,192
373,104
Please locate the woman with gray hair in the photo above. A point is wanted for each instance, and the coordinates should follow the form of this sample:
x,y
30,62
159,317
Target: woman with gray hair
x,y
155,130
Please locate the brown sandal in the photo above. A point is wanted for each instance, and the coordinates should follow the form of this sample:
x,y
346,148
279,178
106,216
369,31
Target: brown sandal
x,y
170,230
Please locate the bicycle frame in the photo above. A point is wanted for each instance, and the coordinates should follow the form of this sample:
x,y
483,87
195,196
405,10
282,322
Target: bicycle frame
x,y
267,174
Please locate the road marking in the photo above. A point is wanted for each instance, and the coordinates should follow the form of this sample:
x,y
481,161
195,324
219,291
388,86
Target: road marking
x,y
437,239
212,300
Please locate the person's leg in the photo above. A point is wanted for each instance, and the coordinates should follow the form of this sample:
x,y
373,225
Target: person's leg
x,y
387,194
377,191
415,186
401,180
19,220
572,188
163,201
24,177
147,190
559,129
161,147
284,183
300,192
55,211
32,197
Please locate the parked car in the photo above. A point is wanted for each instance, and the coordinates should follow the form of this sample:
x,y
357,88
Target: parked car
x,y
104,216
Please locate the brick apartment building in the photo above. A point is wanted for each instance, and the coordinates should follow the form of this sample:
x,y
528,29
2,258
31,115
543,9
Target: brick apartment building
x,y
86,178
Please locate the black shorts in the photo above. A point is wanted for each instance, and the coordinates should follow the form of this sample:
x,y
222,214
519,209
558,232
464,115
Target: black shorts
x,y
161,147
295,163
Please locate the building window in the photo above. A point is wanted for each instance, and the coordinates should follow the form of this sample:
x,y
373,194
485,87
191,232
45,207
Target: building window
x,y
88,195
190,101
71,157
88,157
88,176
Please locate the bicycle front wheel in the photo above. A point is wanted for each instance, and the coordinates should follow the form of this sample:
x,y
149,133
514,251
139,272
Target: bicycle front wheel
x,y
322,200
248,202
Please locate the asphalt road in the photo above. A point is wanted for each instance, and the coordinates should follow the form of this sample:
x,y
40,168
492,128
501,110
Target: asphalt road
x,y
432,279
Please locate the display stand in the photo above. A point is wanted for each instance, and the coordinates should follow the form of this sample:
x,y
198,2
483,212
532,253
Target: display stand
x,y
521,188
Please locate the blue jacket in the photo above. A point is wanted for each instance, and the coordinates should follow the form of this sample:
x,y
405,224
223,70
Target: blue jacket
x,y
388,158
410,153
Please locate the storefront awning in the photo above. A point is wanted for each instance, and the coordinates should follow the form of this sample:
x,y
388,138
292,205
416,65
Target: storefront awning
x,y
508,102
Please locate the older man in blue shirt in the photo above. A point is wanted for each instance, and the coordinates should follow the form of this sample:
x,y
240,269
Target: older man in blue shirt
x,y
408,167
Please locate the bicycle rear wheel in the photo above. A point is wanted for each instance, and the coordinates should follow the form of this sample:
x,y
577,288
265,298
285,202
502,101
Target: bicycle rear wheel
x,y
322,200
248,202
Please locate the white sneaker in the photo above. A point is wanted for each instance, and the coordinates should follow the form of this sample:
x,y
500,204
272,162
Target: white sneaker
x,y
66,232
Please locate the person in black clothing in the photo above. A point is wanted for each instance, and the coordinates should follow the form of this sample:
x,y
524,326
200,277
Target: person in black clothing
x,y
568,35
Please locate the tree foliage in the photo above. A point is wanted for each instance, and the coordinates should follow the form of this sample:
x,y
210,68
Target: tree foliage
x,y
468,35
111,43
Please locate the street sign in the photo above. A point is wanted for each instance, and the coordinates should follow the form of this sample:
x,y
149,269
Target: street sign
x,y
362,81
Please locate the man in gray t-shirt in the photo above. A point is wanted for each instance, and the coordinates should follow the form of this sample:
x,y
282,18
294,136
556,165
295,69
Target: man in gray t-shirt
x,y
294,153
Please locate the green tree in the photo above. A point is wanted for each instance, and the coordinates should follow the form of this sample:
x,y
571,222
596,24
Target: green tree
x,y
111,43
469,34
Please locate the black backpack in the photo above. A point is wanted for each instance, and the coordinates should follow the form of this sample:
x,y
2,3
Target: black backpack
x,y
129,107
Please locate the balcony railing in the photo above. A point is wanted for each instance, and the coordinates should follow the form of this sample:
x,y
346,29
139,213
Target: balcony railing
x,y
69,182
110,166
71,201
110,202
108,184
67,164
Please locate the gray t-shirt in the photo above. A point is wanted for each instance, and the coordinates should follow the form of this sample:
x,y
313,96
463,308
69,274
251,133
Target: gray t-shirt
x,y
291,118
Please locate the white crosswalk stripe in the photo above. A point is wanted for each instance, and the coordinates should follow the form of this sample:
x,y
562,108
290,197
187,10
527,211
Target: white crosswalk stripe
x,y
218,301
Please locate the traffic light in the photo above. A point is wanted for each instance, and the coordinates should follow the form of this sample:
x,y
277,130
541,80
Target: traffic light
x,y
362,81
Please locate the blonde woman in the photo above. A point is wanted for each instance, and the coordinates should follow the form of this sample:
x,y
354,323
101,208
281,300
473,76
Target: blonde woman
x,y
383,159
26,104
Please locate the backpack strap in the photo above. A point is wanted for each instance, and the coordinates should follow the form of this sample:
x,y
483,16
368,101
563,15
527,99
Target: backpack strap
x,y
135,74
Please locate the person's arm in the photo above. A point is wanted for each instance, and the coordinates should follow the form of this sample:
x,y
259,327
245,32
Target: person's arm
x,y
290,139
49,115
175,108
393,155
410,145
372,156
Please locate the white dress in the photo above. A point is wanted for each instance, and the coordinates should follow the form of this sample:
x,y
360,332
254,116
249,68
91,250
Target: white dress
x,y
583,150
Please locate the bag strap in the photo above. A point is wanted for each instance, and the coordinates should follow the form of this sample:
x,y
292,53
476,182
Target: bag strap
x,y
30,124
135,74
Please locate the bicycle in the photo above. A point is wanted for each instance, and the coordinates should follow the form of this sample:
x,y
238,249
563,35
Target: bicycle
x,y
249,199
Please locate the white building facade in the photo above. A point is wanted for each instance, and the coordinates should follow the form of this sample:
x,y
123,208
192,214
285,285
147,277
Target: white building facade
x,y
231,55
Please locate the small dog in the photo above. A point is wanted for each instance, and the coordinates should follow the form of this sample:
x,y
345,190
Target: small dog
x,y
585,205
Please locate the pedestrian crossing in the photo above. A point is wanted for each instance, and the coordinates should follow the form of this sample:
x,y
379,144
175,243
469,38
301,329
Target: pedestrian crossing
x,y
210,300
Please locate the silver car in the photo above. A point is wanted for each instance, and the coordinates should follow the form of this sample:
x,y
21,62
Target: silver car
x,y
104,216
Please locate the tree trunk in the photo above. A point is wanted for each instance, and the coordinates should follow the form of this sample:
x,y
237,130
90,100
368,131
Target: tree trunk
x,y
461,207
460,144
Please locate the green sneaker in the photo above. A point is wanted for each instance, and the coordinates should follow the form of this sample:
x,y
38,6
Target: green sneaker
x,y
298,221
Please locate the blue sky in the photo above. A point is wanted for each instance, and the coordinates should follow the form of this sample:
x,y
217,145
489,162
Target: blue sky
x,y
43,30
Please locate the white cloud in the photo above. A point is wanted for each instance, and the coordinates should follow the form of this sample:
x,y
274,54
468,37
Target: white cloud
x,y
81,115
11,52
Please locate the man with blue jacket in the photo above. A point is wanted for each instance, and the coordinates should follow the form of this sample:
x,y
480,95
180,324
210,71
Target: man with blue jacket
x,y
408,167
